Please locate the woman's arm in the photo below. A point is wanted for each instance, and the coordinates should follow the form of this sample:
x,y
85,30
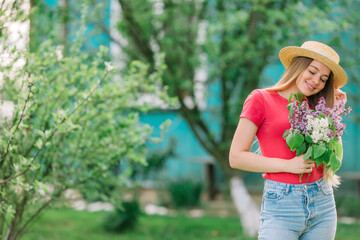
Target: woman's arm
x,y
240,156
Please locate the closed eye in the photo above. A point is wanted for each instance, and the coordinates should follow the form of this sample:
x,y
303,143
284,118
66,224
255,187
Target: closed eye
x,y
313,73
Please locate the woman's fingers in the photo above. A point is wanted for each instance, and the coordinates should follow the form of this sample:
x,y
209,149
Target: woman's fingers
x,y
340,95
309,165
299,165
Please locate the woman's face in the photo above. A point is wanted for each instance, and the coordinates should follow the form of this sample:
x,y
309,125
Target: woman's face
x,y
313,78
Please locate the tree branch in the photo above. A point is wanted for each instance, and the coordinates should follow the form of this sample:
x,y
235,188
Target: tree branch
x,y
112,38
54,130
135,32
17,126
36,214
10,234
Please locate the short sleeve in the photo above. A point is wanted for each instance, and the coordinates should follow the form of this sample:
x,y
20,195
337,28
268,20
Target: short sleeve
x,y
254,108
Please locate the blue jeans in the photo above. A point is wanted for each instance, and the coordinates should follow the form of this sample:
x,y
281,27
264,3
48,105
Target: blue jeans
x,y
304,211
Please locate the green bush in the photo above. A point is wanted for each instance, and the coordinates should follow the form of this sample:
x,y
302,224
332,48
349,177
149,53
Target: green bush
x,y
348,206
185,193
124,217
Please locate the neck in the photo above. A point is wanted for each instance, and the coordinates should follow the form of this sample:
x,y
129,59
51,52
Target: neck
x,y
286,92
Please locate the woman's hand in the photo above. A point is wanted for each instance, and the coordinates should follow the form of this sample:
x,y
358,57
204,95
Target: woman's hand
x,y
298,165
340,95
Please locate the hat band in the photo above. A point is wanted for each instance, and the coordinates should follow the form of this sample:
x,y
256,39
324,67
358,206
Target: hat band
x,y
324,54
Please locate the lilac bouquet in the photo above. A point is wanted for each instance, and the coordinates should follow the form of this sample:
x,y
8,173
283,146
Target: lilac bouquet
x,y
316,132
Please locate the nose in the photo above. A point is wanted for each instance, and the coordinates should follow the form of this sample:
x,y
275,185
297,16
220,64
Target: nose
x,y
316,79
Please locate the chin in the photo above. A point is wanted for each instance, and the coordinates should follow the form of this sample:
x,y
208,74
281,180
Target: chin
x,y
306,93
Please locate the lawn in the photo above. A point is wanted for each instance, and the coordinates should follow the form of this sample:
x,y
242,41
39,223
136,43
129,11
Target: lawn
x,y
76,225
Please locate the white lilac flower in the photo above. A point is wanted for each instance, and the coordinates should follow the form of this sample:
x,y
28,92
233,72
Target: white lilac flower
x,y
318,128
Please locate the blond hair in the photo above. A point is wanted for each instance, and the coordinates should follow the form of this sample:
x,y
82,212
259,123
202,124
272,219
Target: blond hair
x,y
292,73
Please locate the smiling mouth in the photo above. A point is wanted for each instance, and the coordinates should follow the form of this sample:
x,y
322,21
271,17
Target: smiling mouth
x,y
309,86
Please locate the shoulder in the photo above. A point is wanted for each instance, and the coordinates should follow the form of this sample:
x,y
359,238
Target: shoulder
x,y
257,93
261,94
254,107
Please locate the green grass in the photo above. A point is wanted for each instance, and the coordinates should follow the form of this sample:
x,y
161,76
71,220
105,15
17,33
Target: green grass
x,y
75,225
69,224
348,231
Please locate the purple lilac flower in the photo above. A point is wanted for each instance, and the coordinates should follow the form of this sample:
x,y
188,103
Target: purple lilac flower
x,y
321,108
299,122
336,113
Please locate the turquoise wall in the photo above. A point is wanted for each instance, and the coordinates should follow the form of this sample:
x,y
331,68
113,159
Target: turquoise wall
x,y
94,39
188,161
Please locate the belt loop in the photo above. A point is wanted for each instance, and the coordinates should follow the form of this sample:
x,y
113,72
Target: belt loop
x,y
287,188
318,183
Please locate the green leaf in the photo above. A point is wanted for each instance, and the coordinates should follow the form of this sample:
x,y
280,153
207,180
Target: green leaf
x,y
290,97
338,149
291,110
300,150
165,125
38,143
318,151
286,133
308,153
41,133
155,140
332,126
298,96
289,106
318,161
335,162
34,167
294,140
325,158
308,138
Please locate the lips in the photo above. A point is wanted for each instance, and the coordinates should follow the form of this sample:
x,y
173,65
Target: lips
x,y
309,86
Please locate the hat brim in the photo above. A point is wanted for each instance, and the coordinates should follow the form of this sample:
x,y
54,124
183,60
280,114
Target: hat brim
x,y
287,54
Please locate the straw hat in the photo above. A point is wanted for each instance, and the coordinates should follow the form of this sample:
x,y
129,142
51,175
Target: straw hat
x,y
317,51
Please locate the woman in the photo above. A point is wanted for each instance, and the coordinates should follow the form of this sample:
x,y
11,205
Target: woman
x,y
291,209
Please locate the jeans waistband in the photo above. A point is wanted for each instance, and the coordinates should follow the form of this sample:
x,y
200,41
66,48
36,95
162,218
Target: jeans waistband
x,y
294,187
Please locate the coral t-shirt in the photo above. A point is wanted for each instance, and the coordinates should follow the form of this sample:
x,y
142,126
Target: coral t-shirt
x,y
268,110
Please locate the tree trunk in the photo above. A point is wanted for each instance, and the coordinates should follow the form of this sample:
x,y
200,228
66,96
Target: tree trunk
x,y
64,35
211,178
11,233
246,207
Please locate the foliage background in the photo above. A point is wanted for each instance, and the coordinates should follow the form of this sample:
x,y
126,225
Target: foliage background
x,y
73,125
